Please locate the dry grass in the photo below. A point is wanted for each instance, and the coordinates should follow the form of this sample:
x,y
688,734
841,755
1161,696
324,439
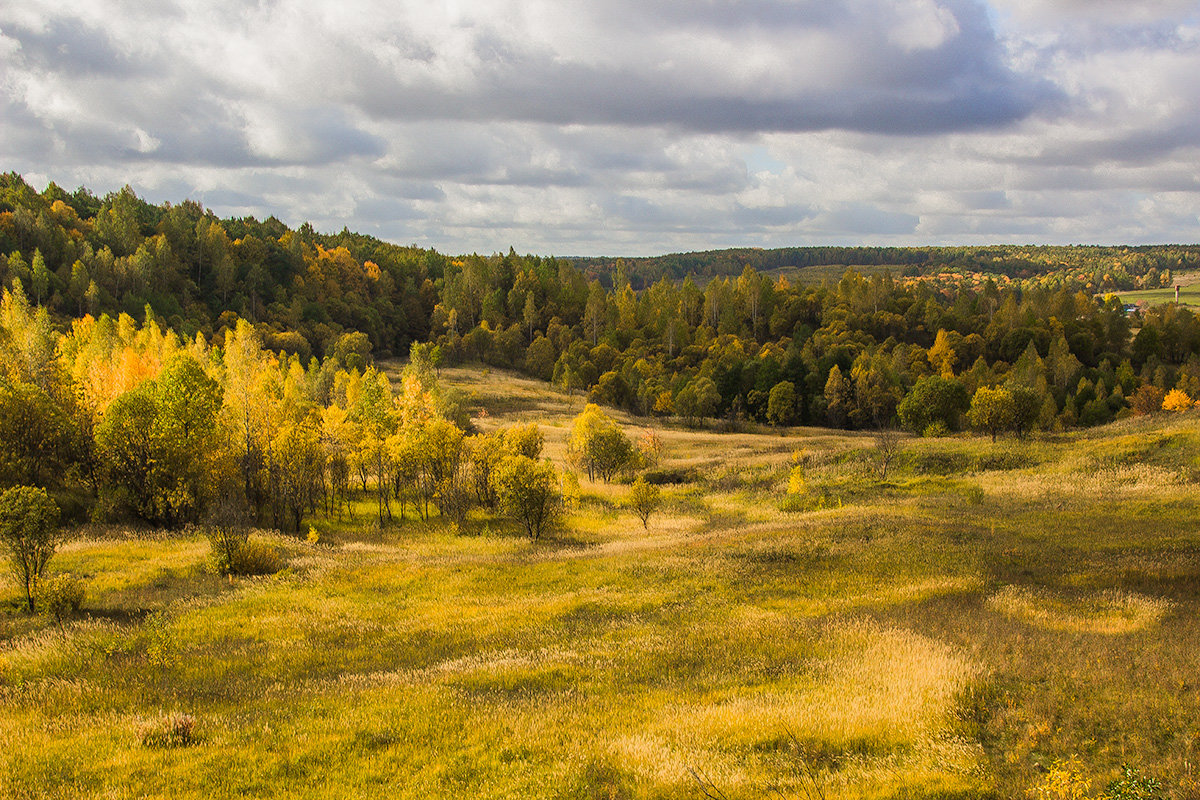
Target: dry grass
x,y
1108,612
948,633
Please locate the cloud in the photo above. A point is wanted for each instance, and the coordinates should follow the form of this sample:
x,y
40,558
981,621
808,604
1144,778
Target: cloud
x,y
635,126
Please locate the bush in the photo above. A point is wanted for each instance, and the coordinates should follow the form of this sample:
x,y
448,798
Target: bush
x,y
1147,400
231,556
1133,785
1176,400
671,475
169,730
935,429
60,596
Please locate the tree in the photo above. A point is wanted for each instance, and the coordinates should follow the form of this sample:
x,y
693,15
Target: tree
x,y
992,410
644,499
598,445
29,533
528,490
933,399
40,278
839,396
781,403
1147,399
524,440
1027,406
34,434
887,445
698,399
611,452
157,442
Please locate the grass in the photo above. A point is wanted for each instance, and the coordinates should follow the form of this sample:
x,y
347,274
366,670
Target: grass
x,y
1189,292
948,633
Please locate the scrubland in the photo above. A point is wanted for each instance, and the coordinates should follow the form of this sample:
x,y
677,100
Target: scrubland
x,y
955,631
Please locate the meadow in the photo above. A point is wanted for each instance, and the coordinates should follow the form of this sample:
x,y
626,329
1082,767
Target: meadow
x,y
960,629
1189,292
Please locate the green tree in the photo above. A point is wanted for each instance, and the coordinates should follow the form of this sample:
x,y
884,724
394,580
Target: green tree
x,y
697,400
839,397
598,445
933,399
39,278
644,498
1027,407
157,443
29,534
353,350
781,404
528,490
992,411
34,434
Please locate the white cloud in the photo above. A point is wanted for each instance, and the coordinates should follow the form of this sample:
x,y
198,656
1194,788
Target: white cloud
x,y
628,126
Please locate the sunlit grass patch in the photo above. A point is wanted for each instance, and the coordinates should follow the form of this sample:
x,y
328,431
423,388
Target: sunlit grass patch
x,y
870,707
1106,612
111,565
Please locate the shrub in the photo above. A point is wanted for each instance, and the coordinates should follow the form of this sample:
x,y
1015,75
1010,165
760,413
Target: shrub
x,y
257,558
669,475
1064,781
793,504
241,555
168,730
1147,399
60,596
1133,785
1176,400
935,429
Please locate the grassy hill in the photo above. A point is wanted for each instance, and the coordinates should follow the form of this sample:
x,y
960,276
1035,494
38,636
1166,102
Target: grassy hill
x,y
952,631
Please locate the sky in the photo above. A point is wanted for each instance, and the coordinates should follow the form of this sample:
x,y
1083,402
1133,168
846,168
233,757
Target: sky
x,y
624,127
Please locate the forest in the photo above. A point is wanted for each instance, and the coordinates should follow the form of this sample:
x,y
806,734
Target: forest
x,y
708,336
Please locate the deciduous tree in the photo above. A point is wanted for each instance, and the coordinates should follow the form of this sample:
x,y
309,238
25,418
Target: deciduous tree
x,y
29,534
529,491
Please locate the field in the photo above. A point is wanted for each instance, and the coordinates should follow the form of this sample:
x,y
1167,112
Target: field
x,y
952,631
1189,292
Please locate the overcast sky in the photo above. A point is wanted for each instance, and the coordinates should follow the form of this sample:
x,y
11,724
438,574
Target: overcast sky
x,y
624,127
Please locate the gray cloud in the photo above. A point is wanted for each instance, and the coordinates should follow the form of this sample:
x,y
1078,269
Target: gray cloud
x,y
625,125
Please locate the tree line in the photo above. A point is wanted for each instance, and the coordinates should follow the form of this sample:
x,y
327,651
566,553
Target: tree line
x,y
744,347
128,421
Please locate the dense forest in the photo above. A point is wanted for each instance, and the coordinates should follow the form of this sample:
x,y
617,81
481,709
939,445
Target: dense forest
x,y
134,337
1103,268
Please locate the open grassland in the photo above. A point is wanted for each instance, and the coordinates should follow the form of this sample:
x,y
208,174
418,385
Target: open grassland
x,y
950,632
1189,292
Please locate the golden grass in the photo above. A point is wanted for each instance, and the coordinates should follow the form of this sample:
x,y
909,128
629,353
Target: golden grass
x,y
1108,612
609,660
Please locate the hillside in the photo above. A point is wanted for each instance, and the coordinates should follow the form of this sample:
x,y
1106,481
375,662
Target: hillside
x,y
984,614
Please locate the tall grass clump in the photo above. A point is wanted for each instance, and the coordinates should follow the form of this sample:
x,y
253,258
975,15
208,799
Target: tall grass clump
x,y
168,730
